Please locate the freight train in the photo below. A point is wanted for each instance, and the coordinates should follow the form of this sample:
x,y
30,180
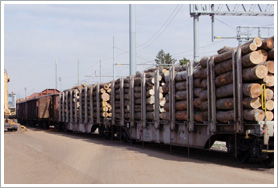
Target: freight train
x,y
226,97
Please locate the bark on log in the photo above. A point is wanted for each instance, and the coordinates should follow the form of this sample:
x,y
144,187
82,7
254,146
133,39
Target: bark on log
x,y
166,116
252,59
197,102
252,103
223,67
267,44
180,95
224,91
204,84
224,79
253,115
223,57
270,66
204,105
203,95
180,86
137,81
181,115
203,62
137,88
165,88
200,72
224,49
225,104
200,116
248,48
269,105
180,76
252,90
137,95
271,54
257,40
197,91
225,116
197,82
269,116
179,106
254,73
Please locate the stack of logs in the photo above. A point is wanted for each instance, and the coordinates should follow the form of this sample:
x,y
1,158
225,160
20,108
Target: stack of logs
x,y
105,100
181,86
257,68
150,92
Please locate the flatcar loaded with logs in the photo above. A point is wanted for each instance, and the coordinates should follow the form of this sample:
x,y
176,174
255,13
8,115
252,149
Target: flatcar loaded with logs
x,y
226,97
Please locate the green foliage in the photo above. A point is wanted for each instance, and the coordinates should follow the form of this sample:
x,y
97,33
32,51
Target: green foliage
x,y
164,59
184,61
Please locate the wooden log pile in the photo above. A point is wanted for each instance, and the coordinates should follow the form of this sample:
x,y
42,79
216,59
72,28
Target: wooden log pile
x,y
257,69
181,86
105,100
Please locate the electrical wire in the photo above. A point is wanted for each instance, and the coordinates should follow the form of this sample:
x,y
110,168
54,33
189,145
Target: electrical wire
x,y
162,30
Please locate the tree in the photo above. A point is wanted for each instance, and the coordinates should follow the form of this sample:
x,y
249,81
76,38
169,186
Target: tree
x,y
184,61
164,59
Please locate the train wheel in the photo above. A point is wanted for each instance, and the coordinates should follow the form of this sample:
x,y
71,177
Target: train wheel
x,y
269,162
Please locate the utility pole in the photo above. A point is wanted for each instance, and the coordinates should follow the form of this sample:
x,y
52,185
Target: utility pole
x,y
56,74
196,37
60,80
25,92
78,72
132,40
100,71
114,75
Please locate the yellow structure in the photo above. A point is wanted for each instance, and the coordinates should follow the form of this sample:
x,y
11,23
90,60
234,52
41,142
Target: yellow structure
x,y
6,105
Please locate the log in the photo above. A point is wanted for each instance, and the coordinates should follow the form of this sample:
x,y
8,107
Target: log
x,y
269,105
252,103
267,44
252,90
200,116
149,107
204,84
180,86
223,57
225,104
200,72
204,105
180,95
181,115
150,92
197,91
203,62
269,94
225,116
223,67
137,95
224,79
137,81
137,101
254,73
248,48
257,40
105,97
166,116
150,115
180,76
253,115
197,102
252,59
165,88
270,54
268,80
270,66
150,100
137,88
264,55
224,49
225,91
102,90
203,95
269,116
162,101
197,82
179,106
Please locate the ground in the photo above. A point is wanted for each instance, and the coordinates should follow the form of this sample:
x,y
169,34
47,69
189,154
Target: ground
x,y
49,157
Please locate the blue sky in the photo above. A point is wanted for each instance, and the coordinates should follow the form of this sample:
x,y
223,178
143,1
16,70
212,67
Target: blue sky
x,y
37,35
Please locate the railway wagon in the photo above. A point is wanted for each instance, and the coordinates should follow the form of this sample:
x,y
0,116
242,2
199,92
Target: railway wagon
x,y
222,97
40,111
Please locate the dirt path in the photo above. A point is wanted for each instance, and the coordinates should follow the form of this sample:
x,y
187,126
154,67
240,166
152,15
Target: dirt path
x,y
39,157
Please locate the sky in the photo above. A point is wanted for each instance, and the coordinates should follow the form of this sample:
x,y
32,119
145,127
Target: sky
x,y
35,36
